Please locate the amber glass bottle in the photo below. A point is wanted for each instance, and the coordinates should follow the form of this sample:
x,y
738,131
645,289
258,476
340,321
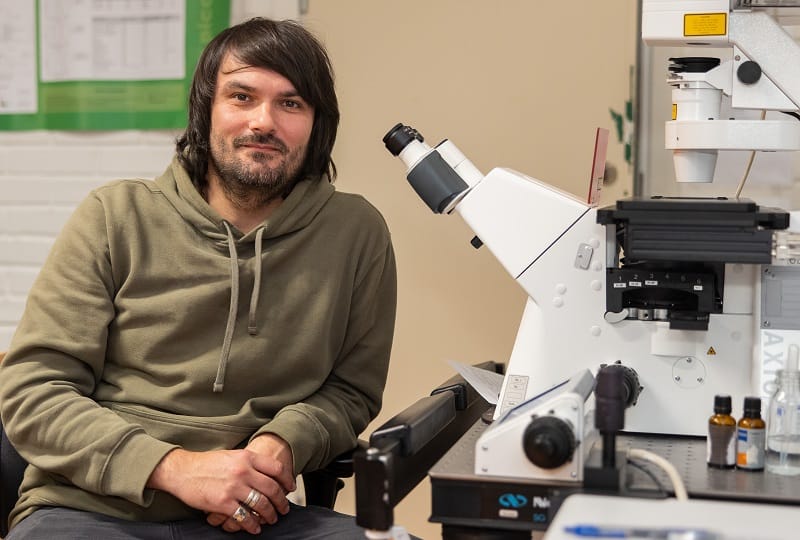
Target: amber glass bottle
x,y
721,442
751,437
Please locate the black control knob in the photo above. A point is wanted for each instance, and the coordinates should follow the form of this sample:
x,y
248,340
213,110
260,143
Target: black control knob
x,y
631,388
548,442
749,72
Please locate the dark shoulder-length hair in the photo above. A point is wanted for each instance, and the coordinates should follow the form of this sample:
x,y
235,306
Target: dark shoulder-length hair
x,y
281,46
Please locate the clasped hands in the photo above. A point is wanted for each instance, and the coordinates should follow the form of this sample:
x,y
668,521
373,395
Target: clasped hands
x,y
238,489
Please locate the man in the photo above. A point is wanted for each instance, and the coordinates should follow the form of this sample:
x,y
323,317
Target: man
x,y
194,342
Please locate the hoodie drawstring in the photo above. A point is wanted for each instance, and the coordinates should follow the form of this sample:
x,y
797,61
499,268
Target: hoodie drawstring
x,y
251,322
230,326
219,382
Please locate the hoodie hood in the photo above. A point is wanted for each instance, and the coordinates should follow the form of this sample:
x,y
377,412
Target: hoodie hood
x,y
296,212
299,209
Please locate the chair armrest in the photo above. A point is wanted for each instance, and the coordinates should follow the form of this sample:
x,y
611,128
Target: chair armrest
x,y
342,465
323,485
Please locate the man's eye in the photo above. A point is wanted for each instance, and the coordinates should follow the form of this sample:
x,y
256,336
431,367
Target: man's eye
x,y
292,104
240,97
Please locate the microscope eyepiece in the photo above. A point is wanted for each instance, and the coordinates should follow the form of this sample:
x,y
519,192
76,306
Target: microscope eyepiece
x,y
399,137
433,178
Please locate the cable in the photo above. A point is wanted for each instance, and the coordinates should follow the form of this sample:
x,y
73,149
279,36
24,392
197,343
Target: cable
x,y
650,474
397,532
749,164
792,113
669,468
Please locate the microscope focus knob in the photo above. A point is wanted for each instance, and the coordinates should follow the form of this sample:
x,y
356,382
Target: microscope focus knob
x,y
548,442
631,388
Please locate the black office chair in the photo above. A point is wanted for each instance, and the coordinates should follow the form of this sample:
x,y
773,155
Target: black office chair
x,y
321,486
11,468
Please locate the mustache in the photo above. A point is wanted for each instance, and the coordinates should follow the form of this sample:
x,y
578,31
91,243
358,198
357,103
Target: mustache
x,y
267,139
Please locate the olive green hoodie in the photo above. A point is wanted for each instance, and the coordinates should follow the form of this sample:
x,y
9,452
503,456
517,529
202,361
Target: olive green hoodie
x,y
154,324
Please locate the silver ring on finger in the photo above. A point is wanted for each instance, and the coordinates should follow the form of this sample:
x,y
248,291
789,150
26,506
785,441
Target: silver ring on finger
x,y
252,498
240,514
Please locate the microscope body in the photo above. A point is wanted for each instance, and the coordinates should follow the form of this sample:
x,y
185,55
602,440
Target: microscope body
x,y
666,289
565,260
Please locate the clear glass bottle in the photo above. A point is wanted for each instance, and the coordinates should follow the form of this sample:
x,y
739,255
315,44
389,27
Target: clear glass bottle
x,y
783,421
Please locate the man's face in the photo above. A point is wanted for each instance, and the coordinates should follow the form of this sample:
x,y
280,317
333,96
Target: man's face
x,y
260,128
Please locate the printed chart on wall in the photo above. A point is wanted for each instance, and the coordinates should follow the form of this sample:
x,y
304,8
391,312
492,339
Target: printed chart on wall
x,y
101,64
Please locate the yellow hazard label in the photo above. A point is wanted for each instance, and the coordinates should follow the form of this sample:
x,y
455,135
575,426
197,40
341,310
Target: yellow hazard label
x,y
705,24
711,351
674,111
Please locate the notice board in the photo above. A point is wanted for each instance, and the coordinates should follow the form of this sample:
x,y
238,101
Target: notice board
x,y
102,64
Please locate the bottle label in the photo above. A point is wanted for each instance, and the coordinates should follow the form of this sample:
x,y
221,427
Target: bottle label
x,y
721,446
750,448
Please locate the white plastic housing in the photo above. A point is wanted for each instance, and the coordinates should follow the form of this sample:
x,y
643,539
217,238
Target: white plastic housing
x,y
500,451
552,244
695,142
663,21
695,100
518,217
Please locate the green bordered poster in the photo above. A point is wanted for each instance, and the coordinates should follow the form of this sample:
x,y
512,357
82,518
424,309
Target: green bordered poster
x,y
102,64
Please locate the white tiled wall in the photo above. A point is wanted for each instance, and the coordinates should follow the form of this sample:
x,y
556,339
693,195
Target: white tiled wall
x,y
43,176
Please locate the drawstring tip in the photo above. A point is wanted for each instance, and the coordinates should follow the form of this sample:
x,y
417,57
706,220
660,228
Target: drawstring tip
x,y
218,386
252,330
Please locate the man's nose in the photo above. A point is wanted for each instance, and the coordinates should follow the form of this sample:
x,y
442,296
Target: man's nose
x,y
261,119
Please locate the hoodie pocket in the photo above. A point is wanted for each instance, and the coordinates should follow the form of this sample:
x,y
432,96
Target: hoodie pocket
x,y
190,432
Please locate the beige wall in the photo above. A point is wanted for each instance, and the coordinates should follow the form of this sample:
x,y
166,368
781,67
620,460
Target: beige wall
x,y
518,84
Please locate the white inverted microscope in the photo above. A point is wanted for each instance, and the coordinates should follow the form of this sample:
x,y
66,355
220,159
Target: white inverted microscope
x,y
669,291
638,314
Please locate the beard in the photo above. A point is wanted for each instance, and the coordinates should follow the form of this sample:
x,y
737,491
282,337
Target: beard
x,y
263,177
